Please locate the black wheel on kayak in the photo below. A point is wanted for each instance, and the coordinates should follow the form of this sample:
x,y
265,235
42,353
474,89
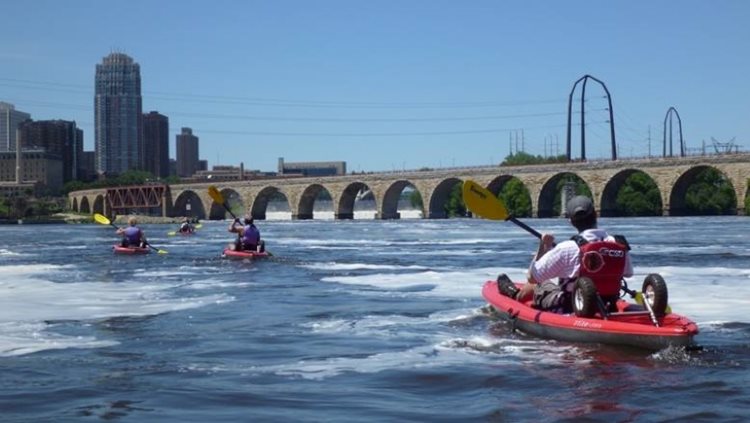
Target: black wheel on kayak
x,y
655,292
584,297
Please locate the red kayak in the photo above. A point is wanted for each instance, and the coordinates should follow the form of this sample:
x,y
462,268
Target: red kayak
x,y
630,325
119,249
244,254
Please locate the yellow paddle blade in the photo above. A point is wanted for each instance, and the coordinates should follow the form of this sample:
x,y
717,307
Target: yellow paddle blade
x,y
198,226
172,233
483,202
100,218
215,194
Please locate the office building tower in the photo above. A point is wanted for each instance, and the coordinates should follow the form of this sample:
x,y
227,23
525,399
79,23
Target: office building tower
x,y
187,153
156,144
88,167
118,116
10,118
59,138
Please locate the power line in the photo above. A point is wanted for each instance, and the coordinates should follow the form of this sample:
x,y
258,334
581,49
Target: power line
x,y
166,96
302,119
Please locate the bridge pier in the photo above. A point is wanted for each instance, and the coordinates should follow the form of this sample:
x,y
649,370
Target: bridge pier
x,y
343,216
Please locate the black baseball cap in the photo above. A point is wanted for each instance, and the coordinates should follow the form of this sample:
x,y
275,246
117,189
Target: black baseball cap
x,y
579,206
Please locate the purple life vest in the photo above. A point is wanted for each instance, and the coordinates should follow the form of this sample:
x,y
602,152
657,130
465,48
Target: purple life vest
x,y
132,234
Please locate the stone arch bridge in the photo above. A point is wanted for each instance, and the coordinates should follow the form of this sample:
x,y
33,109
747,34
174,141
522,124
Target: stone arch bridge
x,y
671,175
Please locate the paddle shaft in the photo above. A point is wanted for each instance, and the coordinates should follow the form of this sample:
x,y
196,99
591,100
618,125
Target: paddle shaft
x,y
528,228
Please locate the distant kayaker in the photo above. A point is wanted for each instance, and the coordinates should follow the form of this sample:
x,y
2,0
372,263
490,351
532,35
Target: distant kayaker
x,y
248,235
186,227
554,268
132,235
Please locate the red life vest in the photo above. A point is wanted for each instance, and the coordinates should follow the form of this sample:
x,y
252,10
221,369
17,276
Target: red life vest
x,y
604,263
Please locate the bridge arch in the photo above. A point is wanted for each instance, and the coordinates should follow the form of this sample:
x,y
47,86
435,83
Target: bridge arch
x,y
306,204
348,198
99,204
440,196
233,201
608,207
85,207
550,194
389,205
74,204
189,203
497,185
265,196
678,196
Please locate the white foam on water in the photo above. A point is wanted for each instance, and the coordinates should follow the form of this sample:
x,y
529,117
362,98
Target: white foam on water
x,y
27,301
444,352
451,284
27,338
359,266
6,252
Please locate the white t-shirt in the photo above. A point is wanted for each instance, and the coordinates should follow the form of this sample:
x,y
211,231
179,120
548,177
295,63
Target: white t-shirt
x,y
563,261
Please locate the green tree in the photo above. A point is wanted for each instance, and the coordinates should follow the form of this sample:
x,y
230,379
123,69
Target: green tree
x,y
710,194
134,177
516,198
521,158
71,186
415,198
639,196
172,179
455,206
5,207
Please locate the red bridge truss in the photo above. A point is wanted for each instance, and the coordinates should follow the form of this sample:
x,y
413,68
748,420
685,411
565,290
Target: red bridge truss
x,y
138,196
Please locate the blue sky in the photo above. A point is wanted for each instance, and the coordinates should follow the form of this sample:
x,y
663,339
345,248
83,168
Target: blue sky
x,y
389,84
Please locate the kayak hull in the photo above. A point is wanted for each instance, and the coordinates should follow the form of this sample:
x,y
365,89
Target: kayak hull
x,y
244,254
119,249
630,326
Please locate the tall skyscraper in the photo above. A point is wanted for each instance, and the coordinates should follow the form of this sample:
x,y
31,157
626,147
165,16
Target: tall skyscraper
x,y
156,144
187,153
9,120
60,138
118,116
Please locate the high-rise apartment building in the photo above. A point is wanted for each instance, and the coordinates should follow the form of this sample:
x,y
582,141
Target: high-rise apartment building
x,y
118,116
10,118
187,153
156,144
59,138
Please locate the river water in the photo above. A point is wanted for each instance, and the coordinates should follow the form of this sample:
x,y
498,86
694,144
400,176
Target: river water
x,y
352,321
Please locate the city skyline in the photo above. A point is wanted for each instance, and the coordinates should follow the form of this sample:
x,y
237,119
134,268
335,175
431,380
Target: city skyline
x,y
391,86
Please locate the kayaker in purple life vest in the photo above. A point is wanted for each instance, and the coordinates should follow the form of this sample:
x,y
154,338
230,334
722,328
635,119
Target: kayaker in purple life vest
x,y
248,236
554,268
132,235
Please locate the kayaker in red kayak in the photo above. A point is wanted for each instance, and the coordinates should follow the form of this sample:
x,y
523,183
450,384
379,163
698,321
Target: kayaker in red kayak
x,y
132,235
186,227
248,236
606,264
